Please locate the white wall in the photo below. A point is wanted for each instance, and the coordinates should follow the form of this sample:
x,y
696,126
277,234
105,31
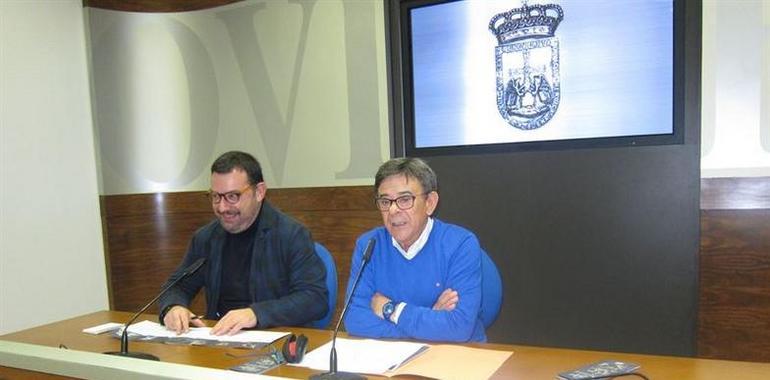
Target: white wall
x,y
51,255
735,112
301,85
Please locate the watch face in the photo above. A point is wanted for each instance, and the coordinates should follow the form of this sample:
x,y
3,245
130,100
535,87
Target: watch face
x,y
388,309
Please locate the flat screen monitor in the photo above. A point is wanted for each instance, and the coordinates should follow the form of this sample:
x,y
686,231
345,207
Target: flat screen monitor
x,y
507,75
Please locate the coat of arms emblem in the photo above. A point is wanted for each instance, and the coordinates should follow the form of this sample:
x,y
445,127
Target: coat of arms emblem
x,y
527,64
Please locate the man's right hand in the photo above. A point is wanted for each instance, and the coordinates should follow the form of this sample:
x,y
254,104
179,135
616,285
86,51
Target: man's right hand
x,y
178,319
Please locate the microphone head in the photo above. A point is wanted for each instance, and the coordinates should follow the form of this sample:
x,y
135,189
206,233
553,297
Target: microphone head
x,y
369,249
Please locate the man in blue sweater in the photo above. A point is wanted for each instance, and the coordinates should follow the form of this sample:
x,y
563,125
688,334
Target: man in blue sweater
x,y
424,277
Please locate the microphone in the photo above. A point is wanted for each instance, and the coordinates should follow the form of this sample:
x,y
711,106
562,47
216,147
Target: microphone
x,y
333,374
124,337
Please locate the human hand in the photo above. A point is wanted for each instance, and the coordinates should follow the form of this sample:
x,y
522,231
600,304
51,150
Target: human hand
x,y
378,301
179,318
234,321
447,300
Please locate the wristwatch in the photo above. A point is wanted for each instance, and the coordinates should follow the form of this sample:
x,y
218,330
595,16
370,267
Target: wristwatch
x,y
388,309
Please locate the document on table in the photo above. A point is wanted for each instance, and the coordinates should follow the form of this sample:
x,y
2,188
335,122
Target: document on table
x,y
363,355
154,329
387,358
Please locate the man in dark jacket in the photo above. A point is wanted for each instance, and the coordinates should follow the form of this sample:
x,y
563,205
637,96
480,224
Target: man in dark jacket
x,y
261,268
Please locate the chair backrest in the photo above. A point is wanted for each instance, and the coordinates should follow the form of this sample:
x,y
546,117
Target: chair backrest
x,y
331,285
491,290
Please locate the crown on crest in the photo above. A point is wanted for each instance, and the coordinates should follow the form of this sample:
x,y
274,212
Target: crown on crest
x,y
525,22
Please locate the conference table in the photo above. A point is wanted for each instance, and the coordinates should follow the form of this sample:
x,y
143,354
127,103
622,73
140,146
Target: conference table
x,y
526,362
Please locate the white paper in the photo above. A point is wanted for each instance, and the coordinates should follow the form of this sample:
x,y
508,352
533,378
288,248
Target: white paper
x,y
149,328
362,355
103,328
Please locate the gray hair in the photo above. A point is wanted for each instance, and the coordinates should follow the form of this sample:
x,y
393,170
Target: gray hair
x,y
410,167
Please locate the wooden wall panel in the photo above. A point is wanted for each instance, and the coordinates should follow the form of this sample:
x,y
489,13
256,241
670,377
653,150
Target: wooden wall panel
x,y
735,193
147,234
734,291
146,237
734,299
156,6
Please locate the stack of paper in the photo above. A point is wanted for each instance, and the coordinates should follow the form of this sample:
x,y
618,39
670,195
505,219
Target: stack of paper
x,y
154,329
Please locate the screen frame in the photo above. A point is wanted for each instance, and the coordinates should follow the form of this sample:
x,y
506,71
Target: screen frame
x,y
399,52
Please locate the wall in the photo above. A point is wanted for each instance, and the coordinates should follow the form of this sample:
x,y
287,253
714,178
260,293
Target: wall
x,y
736,89
734,296
51,255
301,85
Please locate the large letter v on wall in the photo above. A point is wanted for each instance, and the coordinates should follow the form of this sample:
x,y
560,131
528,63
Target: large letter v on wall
x,y
274,128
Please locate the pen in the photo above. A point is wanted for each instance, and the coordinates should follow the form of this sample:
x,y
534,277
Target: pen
x,y
196,317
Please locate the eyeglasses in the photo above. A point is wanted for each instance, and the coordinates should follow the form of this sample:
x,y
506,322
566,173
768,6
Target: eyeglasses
x,y
231,197
404,202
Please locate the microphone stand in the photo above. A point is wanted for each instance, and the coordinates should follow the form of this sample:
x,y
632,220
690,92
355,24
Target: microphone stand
x,y
333,374
124,336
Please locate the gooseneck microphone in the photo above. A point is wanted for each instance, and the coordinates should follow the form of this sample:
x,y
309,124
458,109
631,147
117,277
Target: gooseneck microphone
x,y
124,337
333,374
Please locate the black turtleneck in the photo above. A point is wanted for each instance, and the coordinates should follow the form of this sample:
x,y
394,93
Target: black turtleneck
x,y
236,267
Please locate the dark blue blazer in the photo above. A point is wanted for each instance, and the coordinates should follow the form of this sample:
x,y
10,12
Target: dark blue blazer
x,y
287,278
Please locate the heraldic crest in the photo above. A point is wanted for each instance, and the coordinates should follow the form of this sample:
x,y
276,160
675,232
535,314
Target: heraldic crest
x,y
527,64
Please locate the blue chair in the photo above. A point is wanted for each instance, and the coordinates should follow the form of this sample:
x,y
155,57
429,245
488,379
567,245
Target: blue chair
x,y
331,285
491,290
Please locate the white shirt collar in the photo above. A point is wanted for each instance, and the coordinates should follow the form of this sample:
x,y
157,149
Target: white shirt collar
x,y
418,244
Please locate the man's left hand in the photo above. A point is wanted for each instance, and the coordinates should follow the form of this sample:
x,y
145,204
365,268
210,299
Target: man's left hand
x,y
378,301
234,321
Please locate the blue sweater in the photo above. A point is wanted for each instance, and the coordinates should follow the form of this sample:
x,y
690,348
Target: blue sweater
x,y
451,258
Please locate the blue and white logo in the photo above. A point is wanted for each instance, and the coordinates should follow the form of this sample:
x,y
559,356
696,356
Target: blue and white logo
x,y
527,64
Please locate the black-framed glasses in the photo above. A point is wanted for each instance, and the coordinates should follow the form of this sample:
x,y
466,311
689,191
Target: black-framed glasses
x,y
231,197
404,202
